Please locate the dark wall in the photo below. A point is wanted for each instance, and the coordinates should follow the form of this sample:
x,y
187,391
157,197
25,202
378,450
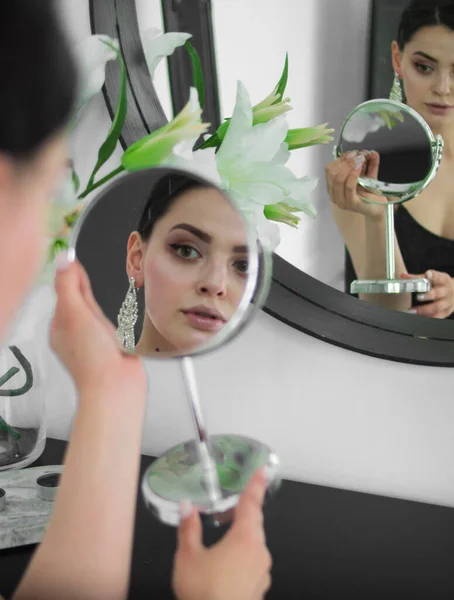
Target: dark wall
x,y
385,21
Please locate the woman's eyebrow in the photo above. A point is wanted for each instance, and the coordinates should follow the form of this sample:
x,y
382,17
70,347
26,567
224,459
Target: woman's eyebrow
x,y
241,249
424,55
206,237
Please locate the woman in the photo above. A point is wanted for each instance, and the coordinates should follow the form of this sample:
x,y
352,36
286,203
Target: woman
x,y
423,58
190,254
93,516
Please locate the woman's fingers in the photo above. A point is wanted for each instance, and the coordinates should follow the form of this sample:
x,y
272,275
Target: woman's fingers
x,y
345,183
436,293
439,298
435,310
331,172
373,165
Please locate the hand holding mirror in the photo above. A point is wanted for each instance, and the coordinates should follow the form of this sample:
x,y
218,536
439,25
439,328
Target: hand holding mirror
x,y
177,269
402,158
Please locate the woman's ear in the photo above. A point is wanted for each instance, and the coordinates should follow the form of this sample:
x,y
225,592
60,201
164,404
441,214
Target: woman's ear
x,y
135,258
396,58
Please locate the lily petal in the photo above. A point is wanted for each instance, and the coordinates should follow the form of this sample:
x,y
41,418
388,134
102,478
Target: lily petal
x,y
201,162
92,55
266,231
239,125
158,45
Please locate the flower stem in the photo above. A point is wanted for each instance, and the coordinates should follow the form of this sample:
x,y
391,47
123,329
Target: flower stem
x,y
99,183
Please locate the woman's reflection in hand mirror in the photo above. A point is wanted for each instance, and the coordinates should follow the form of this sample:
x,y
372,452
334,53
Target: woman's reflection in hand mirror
x,y
174,261
174,264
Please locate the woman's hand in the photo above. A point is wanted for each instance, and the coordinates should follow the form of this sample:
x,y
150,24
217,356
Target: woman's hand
x,y
342,182
86,550
237,567
441,296
85,340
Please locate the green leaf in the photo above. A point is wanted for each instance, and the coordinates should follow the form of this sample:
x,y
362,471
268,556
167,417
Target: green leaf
x,y
58,245
76,181
5,428
216,139
29,379
197,73
282,81
211,142
7,376
71,219
108,148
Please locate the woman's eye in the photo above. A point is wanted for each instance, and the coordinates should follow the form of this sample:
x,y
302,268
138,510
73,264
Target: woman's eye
x,y
185,251
241,266
424,69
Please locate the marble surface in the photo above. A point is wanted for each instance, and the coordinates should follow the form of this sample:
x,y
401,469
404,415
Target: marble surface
x,y
25,517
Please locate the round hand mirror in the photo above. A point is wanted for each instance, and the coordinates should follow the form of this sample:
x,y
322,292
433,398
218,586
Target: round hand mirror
x,y
402,158
179,272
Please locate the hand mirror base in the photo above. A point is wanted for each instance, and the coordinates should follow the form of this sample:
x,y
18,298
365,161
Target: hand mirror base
x,y
179,475
390,286
211,472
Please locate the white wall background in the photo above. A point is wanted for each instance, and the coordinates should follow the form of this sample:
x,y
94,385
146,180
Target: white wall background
x,y
327,45
335,417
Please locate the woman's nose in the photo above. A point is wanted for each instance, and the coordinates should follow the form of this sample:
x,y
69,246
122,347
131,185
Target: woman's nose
x,y
443,84
213,281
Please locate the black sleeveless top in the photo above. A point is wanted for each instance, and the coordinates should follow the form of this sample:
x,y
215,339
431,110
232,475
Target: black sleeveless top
x,y
421,250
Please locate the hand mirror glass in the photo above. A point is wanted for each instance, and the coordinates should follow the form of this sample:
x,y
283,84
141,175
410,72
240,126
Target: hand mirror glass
x,y
403,159
178,271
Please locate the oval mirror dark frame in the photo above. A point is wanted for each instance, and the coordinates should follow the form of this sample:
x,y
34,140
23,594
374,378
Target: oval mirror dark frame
x,y
295,298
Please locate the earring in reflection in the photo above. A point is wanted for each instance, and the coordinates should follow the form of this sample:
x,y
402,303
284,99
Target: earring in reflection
x,y
396,90
127,317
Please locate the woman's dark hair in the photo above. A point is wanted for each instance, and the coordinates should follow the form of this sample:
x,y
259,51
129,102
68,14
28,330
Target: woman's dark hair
x,y
166,191
424,13
38,76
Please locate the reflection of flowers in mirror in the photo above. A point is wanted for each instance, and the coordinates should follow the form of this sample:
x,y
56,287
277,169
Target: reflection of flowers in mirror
x,y
246,156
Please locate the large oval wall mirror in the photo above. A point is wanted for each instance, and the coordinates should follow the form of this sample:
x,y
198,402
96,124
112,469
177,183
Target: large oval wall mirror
x,y
179,272
304,299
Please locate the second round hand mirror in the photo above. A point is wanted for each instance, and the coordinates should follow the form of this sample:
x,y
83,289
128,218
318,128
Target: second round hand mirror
x,y
402,158
179,272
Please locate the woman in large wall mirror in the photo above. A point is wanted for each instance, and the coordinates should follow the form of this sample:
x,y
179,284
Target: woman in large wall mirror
x,y
310,277
422,59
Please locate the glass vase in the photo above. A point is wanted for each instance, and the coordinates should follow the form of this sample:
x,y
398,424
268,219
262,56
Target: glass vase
x,y
22,408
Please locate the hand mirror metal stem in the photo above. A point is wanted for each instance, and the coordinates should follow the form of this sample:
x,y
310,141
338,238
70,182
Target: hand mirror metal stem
x,y
175,265
408,159
206,459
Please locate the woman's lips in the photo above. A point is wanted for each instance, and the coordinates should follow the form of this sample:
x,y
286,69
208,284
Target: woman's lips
x,y
203,322
439,109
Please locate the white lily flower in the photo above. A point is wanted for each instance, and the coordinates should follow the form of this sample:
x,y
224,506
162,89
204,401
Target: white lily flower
x,y
63,212
266,231
251,161
370,119
92,55
360,126
158,45
158,147
201,162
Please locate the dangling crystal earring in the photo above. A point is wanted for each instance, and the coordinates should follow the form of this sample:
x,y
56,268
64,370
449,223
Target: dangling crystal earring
x,y
396,90
127,317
